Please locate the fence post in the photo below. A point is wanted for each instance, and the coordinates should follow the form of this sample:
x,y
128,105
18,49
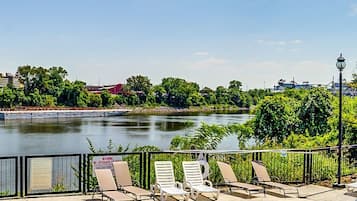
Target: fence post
x,y
149,164
143,180
88,172
310,166
141,169
253,158
80,173
305,168
84,175
21,169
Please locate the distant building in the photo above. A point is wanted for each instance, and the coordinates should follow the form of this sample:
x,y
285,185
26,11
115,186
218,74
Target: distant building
x,y
346,90
8,79
282,85
333,87
113,89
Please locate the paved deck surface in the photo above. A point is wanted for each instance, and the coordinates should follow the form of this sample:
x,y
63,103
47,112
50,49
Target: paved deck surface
x,y
309,193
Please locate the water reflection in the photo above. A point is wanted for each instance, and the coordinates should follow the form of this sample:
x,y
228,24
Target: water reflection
x,y
37,136
173,125
54,126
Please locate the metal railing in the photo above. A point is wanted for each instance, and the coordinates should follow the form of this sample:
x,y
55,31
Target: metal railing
x,y
73,173
9,175
51,174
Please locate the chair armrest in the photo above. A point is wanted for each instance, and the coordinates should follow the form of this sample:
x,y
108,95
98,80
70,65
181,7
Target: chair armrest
x,y
209,183
274,178
226,180
136,183
179,185
187,184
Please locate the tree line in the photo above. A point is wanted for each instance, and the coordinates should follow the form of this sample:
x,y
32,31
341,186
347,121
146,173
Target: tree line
x,y
291,119
50,87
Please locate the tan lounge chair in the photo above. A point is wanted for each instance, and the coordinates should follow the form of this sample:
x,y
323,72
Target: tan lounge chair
x,y
265,180
231,180
194,180
107,186
124,182
165,181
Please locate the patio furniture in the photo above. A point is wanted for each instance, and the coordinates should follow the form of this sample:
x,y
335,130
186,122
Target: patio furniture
x,y
124,181
165,181
231,180
194,180
352,187
264,179
107,186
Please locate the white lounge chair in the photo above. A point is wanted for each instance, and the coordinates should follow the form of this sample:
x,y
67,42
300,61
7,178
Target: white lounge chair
x,y
194,180
165,181
352,187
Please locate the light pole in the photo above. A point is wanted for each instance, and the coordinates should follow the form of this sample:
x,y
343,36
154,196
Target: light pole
x,y
340,64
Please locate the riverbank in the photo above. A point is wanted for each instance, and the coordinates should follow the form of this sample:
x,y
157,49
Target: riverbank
x,y
45,114
163,110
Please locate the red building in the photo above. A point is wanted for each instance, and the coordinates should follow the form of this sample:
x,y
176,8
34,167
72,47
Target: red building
x,y
113,89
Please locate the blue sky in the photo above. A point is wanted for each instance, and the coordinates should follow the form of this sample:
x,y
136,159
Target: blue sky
x,y
206,41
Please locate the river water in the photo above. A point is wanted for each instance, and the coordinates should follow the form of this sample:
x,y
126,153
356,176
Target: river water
x,y
55,136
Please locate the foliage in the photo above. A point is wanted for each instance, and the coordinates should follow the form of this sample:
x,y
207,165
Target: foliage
x,y
7,98
275,118
353,83
107,98
314,111
95,100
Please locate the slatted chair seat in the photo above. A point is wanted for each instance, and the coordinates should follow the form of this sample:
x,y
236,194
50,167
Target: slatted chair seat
x,y
165,181
194,180
231,180
124,181
265,180
107,186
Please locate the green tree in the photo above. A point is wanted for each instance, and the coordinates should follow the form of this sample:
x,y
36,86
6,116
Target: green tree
x,y
74,94
209,95
141,85
36,98
159,93
235,84
95,100
107,98
178,91
121,99
7,98
314,112
222,95
275,118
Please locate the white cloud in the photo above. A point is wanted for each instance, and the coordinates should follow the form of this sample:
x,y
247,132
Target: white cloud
x,y
296,41
210,62
200,53
353,11
279,42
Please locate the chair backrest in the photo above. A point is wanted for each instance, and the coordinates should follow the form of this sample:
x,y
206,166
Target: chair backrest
x,y
164,173
105,180
227,172
192,171
122,173
261,171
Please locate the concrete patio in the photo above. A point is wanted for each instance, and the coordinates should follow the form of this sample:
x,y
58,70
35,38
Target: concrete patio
x,y
307,193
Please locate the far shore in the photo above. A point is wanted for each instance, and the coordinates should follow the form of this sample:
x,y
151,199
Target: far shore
x,y
136,110
172,110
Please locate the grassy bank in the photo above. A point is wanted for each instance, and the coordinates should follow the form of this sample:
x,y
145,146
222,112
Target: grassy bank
x,y
172,110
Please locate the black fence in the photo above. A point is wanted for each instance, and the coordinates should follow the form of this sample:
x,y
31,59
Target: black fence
x,y
73,173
